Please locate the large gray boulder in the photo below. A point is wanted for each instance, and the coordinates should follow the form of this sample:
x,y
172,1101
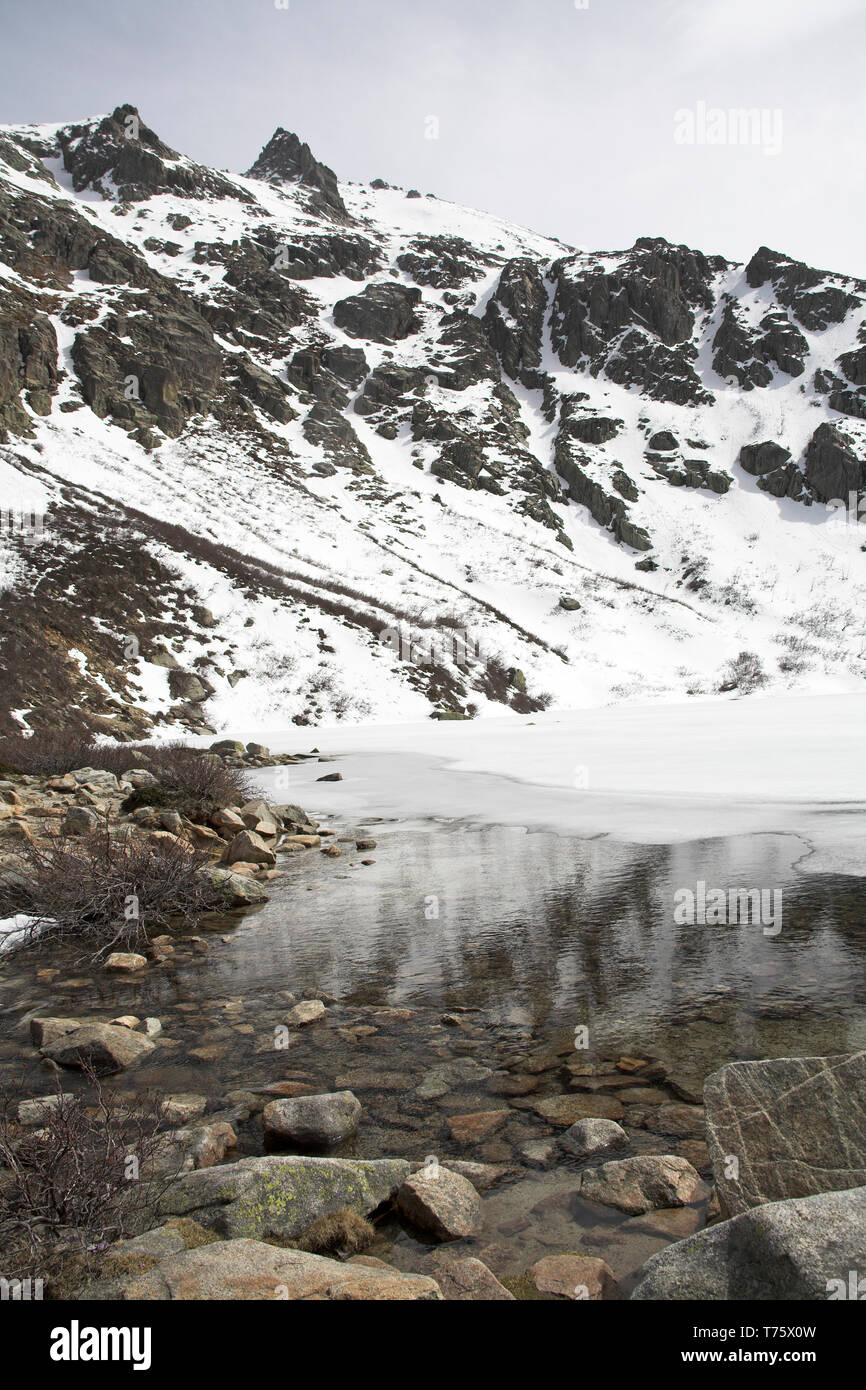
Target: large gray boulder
x,y
833,465
383,313
802,1249
281,1196
794,1126
246,1270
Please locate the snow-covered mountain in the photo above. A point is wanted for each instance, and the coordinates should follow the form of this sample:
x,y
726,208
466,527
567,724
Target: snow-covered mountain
x,y
278,448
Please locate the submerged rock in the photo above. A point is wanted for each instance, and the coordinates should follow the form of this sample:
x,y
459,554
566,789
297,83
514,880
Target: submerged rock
x,y
98,1045
641,1184
307,1011
313,1120
593,1136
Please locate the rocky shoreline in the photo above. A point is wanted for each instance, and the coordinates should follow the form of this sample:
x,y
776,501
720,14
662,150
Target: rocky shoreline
x,y
355,1151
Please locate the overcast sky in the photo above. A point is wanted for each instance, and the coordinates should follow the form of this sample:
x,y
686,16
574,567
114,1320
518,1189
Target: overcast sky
x,y
562,117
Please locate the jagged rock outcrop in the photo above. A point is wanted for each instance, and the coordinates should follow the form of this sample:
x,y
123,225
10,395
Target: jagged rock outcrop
x,y
514,319
158,369
816,298
635,322
576,466
383,313
833,467
122,158
446,263
285,158
734,351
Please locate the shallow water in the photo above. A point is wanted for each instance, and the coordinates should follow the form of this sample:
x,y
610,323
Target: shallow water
x,y
487,946
553,933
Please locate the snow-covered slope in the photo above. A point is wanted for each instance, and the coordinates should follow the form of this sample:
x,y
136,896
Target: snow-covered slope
x,y
281,448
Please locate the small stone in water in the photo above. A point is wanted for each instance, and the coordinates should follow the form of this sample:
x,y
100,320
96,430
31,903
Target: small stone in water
x,y
125,962
307,1011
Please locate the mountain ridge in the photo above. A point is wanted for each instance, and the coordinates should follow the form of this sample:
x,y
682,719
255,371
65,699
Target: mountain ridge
x,y
371,421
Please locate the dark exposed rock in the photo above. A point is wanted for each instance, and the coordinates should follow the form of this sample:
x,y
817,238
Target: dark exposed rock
x,y
389,384
123,158
645,308
327,427
833,469
783,343
611,512
514,318
349,364
735,351
285,158
264,390
660,372
473,359
589,429
303,257
815,298
853,364
28,363
169,373
443,262
763,458
663,441
771,464
383,313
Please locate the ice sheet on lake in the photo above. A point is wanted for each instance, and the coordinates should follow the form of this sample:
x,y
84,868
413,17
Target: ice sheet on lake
x,y
648,774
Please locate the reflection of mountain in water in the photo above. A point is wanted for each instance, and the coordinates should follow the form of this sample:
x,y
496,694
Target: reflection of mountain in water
x,y
558,932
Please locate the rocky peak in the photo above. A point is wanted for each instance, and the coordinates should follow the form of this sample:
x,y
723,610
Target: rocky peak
x,y
815,297
122,158
286,158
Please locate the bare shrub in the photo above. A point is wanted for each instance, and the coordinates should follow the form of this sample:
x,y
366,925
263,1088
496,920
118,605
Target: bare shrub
x,y
94,1171
108,894
58,751
744,673
195,778
186,774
